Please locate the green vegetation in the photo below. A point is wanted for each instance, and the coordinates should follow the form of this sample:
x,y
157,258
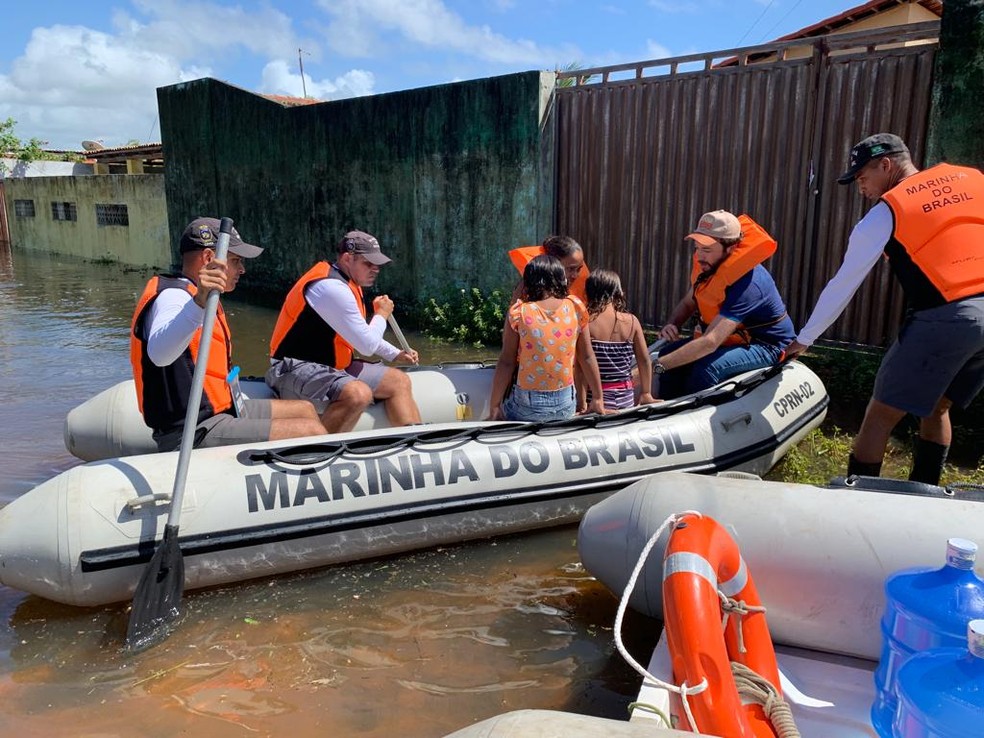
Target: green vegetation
x,y
822,455
849,376
11,147
466,316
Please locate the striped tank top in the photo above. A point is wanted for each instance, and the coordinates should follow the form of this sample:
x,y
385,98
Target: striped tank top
x,y
615,366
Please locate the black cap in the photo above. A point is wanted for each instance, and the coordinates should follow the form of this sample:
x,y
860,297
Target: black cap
x,y
873,147
365,245
203,233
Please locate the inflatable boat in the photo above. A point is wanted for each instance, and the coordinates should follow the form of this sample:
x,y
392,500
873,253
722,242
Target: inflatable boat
x,y
819,558
254,510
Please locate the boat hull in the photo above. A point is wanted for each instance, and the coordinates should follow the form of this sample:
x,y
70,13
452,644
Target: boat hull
x,y
819,555
84,537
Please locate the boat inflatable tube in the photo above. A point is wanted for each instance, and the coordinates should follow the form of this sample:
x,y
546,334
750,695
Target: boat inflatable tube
x,y
110,424
252,510
821,555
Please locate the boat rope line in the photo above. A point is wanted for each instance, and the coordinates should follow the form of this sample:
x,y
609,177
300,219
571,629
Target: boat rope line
x,y
312,454
755,689
740,608
683,689
140,552
752,688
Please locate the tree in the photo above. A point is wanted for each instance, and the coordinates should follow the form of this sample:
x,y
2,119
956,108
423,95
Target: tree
x,y
571,81
12,147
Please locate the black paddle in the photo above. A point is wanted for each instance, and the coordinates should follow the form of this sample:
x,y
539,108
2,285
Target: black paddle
x,y
157,599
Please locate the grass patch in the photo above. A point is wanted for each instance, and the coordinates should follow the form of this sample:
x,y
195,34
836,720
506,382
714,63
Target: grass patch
x,y
822,455
849,376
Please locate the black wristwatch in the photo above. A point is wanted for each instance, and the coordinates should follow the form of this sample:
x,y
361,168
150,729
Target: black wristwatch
x,y
658,368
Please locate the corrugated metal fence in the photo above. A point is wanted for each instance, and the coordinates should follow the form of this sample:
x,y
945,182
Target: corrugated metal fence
x,y
644,149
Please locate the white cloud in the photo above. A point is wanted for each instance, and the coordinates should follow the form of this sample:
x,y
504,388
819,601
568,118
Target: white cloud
x,y
278,78
107,89
656,50
358,26
194,30
109,85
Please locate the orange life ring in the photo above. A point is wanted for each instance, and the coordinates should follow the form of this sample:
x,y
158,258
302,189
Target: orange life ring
x,y
701,559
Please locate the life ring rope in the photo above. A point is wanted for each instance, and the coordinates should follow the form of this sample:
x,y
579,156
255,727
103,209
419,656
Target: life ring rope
x,y
752,687
741,609
683,689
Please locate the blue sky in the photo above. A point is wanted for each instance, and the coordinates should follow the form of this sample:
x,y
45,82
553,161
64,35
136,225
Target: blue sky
x,y
72,70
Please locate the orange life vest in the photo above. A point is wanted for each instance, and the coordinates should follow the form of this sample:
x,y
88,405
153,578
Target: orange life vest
x,y
523,255
939,232
302,334
702,560
755,247
163,392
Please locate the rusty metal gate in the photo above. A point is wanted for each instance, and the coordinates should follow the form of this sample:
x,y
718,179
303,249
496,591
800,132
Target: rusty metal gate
x,y
643,149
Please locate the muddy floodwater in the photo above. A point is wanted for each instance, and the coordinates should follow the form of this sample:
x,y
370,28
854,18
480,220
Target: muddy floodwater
x,y
415,645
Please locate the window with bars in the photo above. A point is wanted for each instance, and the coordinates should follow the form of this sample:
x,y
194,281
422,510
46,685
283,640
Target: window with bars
x,y
112,215
24,208
63,211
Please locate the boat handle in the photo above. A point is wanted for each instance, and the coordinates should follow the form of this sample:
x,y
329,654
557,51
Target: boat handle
x,y
745,418
148,499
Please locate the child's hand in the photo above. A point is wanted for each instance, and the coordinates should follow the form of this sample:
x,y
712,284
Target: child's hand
x,y
597,406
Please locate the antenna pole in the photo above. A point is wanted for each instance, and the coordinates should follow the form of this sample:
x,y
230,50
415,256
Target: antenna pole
x,y
300,63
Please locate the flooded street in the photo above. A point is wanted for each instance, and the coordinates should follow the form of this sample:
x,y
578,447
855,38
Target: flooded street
x,y
416,645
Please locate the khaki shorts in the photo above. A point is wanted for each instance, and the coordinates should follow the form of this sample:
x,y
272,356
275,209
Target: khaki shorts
x,y
225,429
292,379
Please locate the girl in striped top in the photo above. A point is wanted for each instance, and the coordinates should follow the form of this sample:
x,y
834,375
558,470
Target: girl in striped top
x,y
617,339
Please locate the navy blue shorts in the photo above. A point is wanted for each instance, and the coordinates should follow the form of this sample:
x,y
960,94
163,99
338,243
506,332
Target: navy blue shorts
x,y
939,353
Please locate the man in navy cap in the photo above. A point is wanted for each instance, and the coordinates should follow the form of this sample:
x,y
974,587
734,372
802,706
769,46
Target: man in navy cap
x,y
930,226
323,323
164,338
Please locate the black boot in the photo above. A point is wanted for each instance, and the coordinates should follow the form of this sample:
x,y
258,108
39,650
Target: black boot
x,y
863,468
927,461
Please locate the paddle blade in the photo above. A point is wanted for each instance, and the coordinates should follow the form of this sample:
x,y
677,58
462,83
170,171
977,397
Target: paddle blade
x,y
157,599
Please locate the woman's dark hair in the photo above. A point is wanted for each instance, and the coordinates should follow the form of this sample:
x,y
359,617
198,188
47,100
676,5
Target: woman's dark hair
x,y
603,287
561,246
544,277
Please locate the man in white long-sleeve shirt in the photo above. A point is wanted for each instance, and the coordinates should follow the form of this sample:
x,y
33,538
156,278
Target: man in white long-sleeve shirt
x,y
323,323
164,340
930,226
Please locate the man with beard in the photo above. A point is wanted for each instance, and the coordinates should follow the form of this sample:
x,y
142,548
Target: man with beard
x,y
742,320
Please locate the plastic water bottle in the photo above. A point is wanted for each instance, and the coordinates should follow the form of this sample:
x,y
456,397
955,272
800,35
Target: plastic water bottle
x,y
941,692
925,608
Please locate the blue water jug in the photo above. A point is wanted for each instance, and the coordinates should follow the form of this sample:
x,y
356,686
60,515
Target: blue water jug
x,y
941,692
925,608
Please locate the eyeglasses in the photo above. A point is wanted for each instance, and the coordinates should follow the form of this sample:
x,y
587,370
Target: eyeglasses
x,y
574,270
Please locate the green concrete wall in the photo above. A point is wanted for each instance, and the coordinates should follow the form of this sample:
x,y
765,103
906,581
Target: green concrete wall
x,y
145,242
956,128
448,177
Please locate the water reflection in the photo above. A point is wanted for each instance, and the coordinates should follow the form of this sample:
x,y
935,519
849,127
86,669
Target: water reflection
x,y
418,645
